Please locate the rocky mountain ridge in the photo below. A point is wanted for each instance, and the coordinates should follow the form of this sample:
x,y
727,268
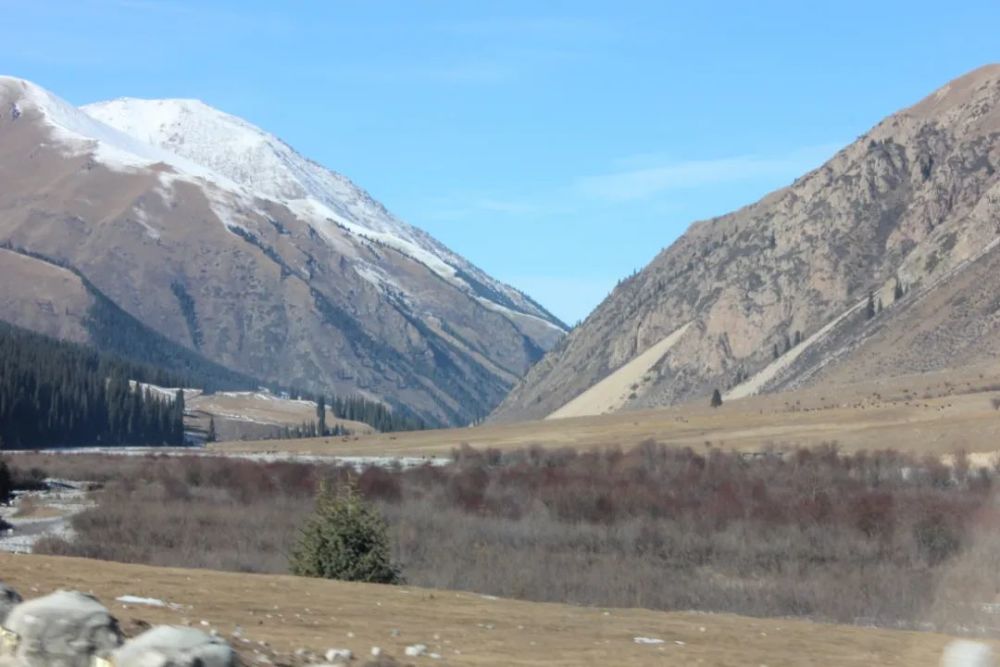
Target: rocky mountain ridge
x,y
856,266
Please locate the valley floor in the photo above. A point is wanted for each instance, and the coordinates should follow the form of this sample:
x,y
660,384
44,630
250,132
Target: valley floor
x,y
934,413
465,629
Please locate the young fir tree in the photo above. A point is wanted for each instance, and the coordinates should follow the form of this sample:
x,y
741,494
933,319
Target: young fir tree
x,y
211,435
6,483
321,415
870,308
345,539
716,399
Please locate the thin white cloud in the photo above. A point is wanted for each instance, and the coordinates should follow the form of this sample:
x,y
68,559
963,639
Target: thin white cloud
x,y
649,181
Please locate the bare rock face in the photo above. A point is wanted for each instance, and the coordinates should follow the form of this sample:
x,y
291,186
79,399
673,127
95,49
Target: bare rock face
x,y
198,227
882,260
170,646
66,627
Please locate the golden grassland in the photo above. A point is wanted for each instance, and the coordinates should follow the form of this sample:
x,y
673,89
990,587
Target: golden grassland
x,y
464,628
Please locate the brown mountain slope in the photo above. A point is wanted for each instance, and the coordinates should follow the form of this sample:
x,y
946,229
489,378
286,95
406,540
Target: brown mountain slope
x,y
916,201
280,290
45,298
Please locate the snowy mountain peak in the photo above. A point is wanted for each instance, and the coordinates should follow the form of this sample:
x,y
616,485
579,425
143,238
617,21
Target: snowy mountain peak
x,y
226,144
230,155
268,167
78,130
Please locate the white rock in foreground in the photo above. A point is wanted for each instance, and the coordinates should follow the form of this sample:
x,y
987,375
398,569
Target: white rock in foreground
x,y
648,640
416,650
964,653
339,655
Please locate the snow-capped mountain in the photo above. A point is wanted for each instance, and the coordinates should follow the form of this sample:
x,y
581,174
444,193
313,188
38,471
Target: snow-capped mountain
x,y
224,239
268,167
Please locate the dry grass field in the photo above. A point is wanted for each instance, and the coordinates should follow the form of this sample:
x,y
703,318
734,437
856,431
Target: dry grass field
x,y
465,629
248,415
936,413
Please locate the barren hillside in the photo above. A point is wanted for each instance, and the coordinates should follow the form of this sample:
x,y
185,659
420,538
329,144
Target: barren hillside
x,y
881,261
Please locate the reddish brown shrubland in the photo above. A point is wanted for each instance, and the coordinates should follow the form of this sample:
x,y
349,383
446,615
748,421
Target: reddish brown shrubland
x,y
855,538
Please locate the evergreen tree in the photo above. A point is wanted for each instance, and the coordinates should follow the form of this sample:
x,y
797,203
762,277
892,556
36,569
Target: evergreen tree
x,y
345,539
211,436
6,483
56,393
321,415
870,308
716,399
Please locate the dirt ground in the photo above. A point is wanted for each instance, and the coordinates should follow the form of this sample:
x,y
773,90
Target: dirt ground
x,y
938,413
291,613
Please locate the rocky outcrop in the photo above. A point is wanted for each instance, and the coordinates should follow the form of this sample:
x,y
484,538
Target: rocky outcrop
x,y
777,294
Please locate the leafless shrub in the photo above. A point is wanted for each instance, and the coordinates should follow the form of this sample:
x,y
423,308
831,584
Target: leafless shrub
x,y
812,532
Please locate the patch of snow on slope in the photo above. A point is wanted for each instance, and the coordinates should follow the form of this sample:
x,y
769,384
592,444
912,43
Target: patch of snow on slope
x,y
139,215
492,305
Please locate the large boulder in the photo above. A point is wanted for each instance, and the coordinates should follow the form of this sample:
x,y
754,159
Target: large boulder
x,y
64,629
9,599
172,646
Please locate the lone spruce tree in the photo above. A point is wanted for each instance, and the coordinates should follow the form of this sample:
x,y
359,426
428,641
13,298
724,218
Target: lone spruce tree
x,y
6,484
716,399
345,539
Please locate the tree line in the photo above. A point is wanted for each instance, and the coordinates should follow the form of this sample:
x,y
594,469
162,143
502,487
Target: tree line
x,y
55,393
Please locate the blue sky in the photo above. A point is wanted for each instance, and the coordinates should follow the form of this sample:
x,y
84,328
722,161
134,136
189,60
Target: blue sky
x,y
558,145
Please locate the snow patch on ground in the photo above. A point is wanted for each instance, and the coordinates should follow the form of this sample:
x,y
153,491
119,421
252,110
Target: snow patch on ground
x,y
62,496
147,602
135,599
357,462
169,393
